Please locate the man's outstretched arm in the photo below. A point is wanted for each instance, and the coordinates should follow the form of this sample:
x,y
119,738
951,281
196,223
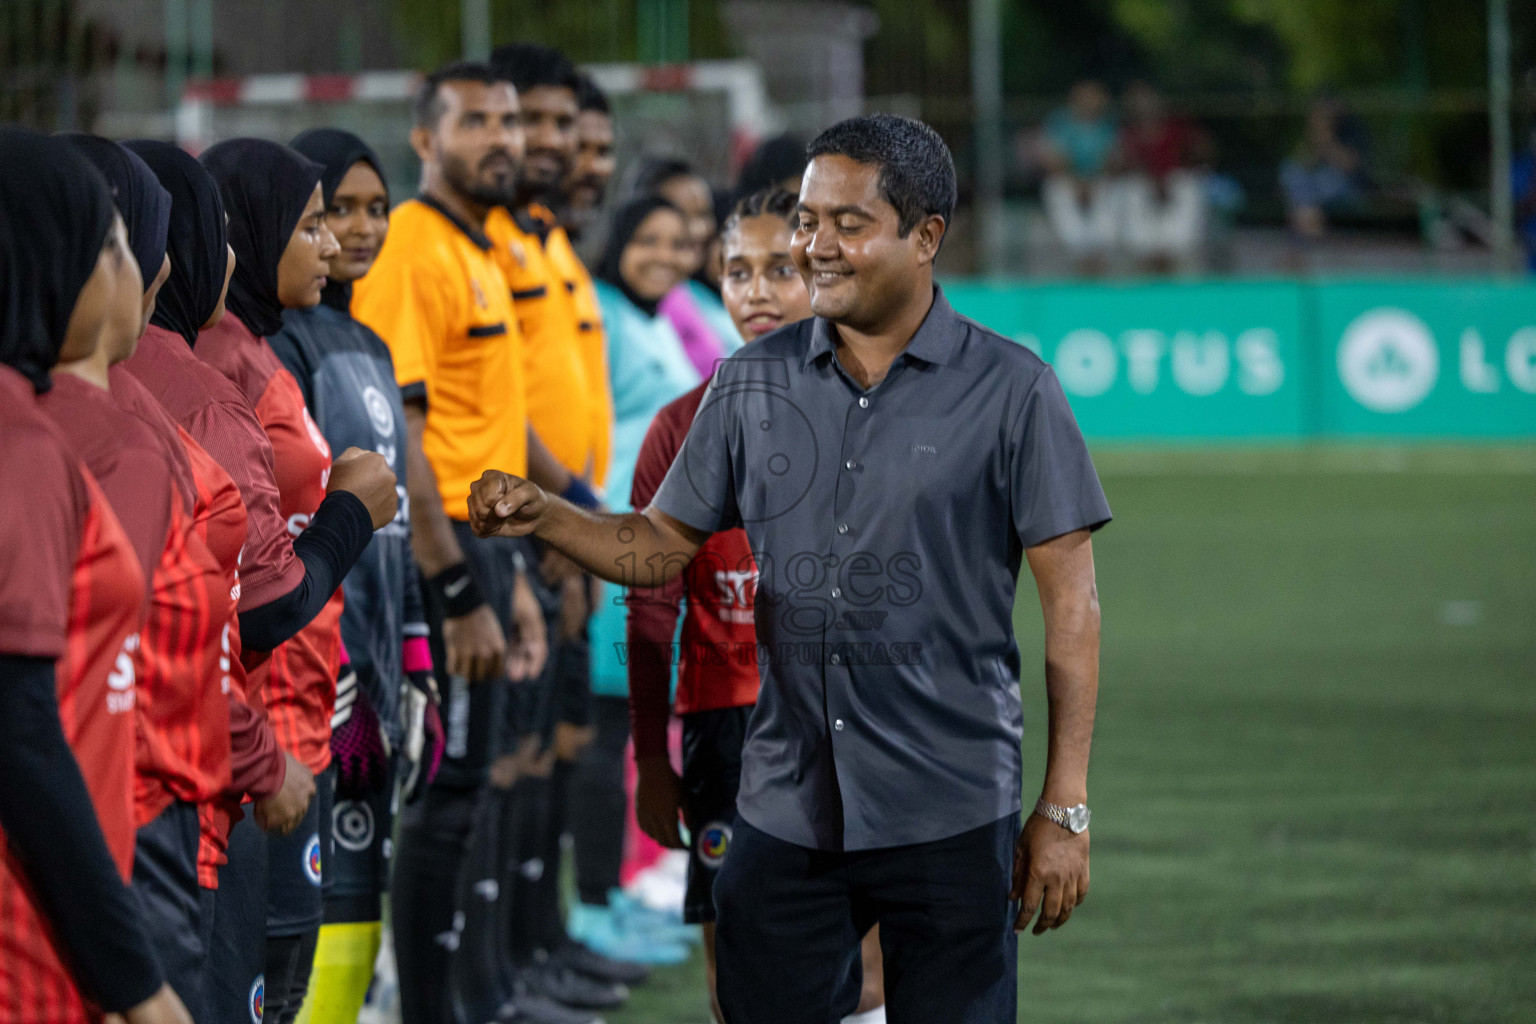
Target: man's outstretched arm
x,y
634,549
1050,863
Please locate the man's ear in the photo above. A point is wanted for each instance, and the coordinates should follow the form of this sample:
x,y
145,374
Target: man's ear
x,y
930,235
421,142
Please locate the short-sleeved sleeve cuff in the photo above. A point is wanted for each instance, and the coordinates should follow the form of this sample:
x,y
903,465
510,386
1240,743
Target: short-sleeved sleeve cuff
x,y
1055,489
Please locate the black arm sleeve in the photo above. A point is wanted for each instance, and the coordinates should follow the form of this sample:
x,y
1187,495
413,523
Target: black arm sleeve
x,y
337,534
49,822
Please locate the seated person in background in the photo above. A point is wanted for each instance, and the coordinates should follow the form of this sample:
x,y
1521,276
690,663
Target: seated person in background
x,y
1165,205
1081,155
1523,184
1327,170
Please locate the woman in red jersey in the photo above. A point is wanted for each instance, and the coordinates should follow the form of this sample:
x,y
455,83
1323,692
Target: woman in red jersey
x,y
283,248
280,582
73,946
717,663
134,450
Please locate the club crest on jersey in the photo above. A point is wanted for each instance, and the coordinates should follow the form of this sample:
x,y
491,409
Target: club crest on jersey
x,y
518,253
258,998
479,294
352,822
714,840
379,413
312,859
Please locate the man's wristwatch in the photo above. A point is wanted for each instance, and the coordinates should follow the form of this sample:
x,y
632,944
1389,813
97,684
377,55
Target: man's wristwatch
x,y
1073,819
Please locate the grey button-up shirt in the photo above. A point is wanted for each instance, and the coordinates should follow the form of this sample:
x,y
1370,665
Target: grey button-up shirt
x,y
889,526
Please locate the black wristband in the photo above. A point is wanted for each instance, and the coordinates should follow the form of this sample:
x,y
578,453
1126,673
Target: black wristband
x,y
455,587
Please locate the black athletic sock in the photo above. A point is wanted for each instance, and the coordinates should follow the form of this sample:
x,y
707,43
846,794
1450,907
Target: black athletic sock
x,y
599,803
475,976
531,870
425,920
549,922
290,959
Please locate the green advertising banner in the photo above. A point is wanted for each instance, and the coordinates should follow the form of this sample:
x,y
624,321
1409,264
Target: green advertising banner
x,y
1279,360
1164,361
1427,360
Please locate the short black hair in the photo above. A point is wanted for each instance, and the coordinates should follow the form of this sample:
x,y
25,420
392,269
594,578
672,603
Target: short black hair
x,y
773,161
428,105
657,171
767,202
917,172
590,96
530,66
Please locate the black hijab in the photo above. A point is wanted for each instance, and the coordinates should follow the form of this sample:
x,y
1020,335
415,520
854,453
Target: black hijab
x,y
195,239
336,151
626,221
55,212
265,187
140,198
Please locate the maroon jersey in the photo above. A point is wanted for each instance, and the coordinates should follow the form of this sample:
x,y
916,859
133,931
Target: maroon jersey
x,y
219,418
247,538
298,683
717,660
184,681
59,528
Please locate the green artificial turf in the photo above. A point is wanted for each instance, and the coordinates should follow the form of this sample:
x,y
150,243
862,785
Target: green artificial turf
x,y
1314,772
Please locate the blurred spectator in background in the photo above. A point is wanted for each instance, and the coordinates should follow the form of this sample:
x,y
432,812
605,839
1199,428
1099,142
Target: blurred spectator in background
x,y
694,306
1080,153
1327,171
778,162
1165,205
593,167
1523,181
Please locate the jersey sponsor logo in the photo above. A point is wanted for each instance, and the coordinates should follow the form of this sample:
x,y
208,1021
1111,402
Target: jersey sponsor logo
x,y
714,841
312,865
298,523
256,999
120,680
352,823
736,587
379,413
487,889
1388,360
316,436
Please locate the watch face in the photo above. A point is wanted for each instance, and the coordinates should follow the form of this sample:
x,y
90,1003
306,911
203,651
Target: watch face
x,y
1077,818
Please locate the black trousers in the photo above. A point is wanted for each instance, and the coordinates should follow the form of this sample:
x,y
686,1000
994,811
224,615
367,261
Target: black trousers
x,y
790,919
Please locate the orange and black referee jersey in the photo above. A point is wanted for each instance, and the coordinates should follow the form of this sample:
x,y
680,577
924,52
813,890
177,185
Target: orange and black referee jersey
x,y
588,317
441,303
554,366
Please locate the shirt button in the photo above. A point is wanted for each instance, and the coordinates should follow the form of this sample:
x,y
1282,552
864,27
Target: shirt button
x,y
850,464
836,660
842,527
863,402
837,592
838,725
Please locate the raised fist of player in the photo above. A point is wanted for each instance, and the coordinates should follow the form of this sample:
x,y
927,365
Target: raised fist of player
x,y
503,505
368,476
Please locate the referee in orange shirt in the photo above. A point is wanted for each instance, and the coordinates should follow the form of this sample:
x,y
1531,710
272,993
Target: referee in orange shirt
x,y
441,303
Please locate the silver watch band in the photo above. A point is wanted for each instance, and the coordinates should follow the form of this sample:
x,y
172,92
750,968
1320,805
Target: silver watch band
x,y
1053,813
1073,819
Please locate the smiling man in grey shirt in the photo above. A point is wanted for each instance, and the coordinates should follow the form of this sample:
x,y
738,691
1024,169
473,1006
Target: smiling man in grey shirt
x,y
894,464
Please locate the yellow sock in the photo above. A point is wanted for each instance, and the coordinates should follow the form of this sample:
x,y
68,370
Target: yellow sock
x,y
343,971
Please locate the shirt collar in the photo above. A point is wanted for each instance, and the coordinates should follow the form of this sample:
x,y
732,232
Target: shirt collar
x,y
473,233
934,341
